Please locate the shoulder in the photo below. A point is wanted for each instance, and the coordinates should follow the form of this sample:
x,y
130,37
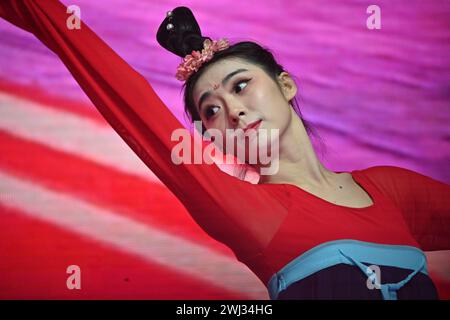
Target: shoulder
x,y
394,177
388,172
379,169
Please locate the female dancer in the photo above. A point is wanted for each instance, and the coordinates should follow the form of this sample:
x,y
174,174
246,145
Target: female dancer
x,y
305,231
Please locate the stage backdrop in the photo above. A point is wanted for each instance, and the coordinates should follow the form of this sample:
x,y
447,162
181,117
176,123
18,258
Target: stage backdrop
x,y
72,193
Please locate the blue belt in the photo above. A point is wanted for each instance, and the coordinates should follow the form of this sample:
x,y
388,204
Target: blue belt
x,y
352,252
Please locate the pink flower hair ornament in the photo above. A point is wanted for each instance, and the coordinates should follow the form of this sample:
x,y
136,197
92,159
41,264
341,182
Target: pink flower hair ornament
x,y
192,62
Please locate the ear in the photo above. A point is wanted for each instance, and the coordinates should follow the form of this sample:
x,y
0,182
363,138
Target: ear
x,y
288,86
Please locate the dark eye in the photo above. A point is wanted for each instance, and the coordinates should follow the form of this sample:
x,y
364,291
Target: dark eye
x,y
209,111
239,82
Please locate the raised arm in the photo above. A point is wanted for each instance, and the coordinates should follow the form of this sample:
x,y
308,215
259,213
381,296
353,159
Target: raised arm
x,y
232,211
424,202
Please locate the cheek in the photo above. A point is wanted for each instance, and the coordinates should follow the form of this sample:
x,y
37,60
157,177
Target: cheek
x,y
213,124
267,100
283,118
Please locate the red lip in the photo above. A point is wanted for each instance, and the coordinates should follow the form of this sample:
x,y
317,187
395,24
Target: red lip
x,y
253,125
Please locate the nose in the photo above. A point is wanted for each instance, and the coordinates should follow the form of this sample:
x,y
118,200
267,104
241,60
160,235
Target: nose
x,y
237,112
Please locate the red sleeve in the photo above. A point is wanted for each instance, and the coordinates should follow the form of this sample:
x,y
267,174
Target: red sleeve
x,y
424,202
132,108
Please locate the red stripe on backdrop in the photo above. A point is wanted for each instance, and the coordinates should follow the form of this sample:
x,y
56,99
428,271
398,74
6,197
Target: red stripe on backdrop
x,y
35,256
141,200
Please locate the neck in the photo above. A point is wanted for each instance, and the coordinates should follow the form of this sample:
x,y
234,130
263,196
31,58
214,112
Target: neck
x,y
298,163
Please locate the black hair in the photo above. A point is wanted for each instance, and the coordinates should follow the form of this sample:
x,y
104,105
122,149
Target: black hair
x,y
185,36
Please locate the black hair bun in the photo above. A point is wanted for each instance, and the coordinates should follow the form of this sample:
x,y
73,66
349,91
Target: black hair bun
x,y
184,37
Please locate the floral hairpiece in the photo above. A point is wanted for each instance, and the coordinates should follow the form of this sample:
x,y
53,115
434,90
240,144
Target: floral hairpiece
x,y
192,62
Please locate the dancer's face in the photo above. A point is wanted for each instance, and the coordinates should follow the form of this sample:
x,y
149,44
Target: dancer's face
x,y
246,97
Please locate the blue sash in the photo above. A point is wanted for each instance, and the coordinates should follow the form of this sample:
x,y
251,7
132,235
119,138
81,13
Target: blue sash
x,y
352,252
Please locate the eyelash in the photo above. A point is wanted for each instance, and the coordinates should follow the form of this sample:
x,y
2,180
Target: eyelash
x,y
208,108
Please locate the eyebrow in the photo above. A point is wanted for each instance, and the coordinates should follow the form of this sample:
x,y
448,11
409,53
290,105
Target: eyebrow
x,y
224,81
